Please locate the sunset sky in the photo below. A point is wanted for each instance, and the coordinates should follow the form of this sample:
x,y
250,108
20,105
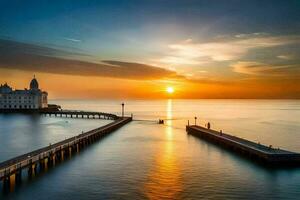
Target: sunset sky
x,y
137,49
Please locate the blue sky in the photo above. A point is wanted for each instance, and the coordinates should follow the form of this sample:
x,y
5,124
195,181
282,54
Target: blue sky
x,y
200,40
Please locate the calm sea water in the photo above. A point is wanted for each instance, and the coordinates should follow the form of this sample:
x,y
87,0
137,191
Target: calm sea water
x,y
145,160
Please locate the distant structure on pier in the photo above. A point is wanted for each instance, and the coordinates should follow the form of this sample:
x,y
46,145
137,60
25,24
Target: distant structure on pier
x,y
27,99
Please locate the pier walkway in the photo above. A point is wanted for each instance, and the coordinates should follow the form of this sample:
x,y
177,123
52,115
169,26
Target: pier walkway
x,y
254,150
80,114
47,156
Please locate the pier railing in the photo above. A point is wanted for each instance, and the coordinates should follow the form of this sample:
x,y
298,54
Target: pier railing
x,y
80,114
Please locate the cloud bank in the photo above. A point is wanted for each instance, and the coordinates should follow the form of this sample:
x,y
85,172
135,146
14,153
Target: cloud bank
x,y
30,57
224,49
262,69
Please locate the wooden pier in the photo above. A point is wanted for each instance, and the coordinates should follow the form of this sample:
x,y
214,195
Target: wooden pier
x,y
256,151
80,114
62,113
47,156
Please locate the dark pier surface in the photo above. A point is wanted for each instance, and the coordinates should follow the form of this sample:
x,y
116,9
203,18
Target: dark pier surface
x,y
256,151
47,156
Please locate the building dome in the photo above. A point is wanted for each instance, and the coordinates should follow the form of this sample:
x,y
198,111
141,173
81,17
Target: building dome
x,y
34,85
5,88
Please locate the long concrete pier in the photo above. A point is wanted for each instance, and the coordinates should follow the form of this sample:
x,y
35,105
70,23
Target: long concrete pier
x,y
47,156
256,151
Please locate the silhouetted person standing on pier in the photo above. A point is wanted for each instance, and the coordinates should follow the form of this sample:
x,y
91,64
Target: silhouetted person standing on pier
x,y
208,125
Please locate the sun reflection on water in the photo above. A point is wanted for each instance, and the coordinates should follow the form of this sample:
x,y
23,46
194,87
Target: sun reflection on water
x,y
164,179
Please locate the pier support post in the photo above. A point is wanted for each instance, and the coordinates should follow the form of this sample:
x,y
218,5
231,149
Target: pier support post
x,y
29,167
32,169
77,147
6,180
18,176
42,164
6,183
69,151
29,171
35,168
50,160
58,156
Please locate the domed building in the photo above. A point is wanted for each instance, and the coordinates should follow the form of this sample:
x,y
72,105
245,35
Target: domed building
x,y
34,85
27,99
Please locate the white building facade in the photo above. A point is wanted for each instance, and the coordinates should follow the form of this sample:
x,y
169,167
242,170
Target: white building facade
x,y
30,99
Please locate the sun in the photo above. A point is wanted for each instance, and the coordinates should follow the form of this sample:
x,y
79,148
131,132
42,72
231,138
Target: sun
x,y
170,90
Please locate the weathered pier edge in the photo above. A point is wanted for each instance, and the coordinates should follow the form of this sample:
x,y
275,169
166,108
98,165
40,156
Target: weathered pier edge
x,y
47,156
267,156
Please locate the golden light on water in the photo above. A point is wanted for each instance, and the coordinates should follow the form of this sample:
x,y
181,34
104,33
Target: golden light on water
x,y
164,179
